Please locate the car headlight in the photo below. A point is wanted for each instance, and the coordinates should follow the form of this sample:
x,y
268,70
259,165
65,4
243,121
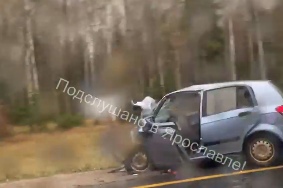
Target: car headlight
x,y
142,123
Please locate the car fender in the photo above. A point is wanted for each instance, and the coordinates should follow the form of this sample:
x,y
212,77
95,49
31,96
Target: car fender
x,y
273,129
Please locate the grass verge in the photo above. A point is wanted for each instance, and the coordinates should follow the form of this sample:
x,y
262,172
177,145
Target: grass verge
x,y
42,154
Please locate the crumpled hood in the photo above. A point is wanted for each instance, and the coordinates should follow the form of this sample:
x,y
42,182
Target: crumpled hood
x,y
146,104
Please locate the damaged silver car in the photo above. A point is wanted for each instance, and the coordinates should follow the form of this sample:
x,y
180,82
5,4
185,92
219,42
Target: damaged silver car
x,y
241,117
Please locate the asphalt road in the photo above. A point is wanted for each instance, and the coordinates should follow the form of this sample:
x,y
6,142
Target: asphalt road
x,y
194,177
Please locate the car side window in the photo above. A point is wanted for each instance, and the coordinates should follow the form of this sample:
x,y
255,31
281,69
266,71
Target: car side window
x,y
220,100
185,104
185,112
163,112
226,99
177,105
244,97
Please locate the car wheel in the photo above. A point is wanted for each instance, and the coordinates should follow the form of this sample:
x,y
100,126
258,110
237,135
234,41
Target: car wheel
x,y
263,150
137,162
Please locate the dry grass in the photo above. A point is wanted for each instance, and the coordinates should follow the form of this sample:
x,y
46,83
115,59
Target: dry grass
x,y
43,154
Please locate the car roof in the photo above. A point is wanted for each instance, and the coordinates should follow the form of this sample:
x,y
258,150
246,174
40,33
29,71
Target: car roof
x,y
211,86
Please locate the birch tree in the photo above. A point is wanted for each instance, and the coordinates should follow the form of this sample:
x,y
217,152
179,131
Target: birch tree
x,y
226,12
261,54
232,51
30,65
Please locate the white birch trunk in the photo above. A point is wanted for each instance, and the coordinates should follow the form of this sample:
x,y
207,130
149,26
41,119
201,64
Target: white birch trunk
x,y
251,54
178,70
161,74
94,25
31,71
89,49
261,55
232,49
89,26
109,27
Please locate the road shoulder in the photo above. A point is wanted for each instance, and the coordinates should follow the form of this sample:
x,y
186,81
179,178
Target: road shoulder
x,y
98,177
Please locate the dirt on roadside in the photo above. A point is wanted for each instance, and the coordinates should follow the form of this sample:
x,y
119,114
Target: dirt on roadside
x,y
71,180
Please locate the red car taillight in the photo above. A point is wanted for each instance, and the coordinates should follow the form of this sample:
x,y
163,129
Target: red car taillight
x,y
279,109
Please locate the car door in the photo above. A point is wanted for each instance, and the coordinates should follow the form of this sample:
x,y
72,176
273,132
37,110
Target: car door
x,y
186,113
228,114
160,146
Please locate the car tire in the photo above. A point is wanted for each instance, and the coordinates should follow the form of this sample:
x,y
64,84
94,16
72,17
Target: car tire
x,y
262,150
131,164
